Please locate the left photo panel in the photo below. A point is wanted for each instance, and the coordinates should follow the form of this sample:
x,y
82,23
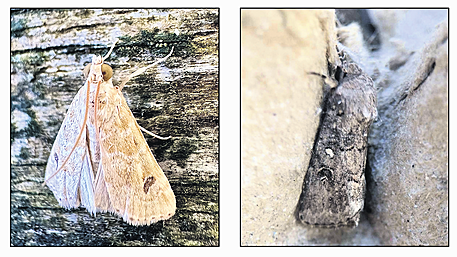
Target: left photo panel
x,y
114,127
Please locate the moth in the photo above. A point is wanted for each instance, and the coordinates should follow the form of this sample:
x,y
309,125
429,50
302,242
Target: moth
x,y
334,186
100,159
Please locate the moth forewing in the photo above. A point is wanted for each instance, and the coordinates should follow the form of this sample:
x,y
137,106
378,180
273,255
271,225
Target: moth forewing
x,y
66,184
100,158
138,189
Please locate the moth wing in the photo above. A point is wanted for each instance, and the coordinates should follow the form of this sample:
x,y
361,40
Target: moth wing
x,y
102,201
72,185
138,189
86,187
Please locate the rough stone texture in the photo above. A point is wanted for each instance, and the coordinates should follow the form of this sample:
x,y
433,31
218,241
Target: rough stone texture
x,y
49,49
408,185
408,152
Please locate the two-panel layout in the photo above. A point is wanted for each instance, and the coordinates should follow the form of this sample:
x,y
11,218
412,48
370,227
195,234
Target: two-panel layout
x,y
115,127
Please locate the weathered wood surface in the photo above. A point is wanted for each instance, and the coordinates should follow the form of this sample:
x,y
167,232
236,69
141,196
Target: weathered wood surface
x,y
49,49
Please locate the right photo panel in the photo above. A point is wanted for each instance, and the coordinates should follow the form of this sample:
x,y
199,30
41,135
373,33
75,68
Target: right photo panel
x,y
344,127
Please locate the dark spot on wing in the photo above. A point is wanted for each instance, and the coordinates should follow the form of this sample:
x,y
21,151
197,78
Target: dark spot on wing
x,y
56,157
148,182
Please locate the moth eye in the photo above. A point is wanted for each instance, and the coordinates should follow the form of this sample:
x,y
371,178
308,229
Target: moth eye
x,y
107,72
87,70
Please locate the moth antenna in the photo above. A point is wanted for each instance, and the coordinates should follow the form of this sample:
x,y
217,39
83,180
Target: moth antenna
x,y
97,135
317,74
78,138
327,80
139,71
152,134
112,47
97,132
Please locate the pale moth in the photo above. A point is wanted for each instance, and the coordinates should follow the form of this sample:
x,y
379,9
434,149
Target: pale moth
x,y
100,159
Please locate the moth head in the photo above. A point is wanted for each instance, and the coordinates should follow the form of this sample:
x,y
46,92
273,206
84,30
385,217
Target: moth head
x,y
107,71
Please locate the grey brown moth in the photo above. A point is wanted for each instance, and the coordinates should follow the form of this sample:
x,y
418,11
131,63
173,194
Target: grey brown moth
x,y
334,186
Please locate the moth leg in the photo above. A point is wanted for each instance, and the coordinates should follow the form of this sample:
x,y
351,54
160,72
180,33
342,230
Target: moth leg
x,y
97,131
152,134
141,70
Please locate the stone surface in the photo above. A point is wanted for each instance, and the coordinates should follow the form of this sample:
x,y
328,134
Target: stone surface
x,y
408,185
49,49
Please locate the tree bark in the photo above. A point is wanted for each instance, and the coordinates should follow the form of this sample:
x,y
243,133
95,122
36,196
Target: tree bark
x,y
49,49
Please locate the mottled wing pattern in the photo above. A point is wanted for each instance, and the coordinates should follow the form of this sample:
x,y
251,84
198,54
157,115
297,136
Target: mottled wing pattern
x,y
138,189
73,185
334,187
